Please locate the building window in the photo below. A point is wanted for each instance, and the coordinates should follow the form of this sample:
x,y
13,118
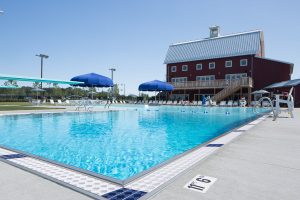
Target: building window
x,y
198,66
228,63
184,68
205,78
212,65
243,62
235,76
179,79
173,69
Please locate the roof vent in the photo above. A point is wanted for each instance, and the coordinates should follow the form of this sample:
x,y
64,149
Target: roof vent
x,y
214,31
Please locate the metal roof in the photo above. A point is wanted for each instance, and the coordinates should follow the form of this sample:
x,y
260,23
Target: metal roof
x,y
247,43
31,79
290,83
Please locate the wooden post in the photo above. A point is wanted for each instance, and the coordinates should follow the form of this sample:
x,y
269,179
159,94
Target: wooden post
x,y
241,92
249,96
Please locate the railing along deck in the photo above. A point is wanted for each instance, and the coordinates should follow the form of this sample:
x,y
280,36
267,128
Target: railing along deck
x,y
220,83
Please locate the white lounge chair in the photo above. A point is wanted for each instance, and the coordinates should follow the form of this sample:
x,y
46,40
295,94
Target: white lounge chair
x,y
52,101
59,102
230,103
222,103
235,103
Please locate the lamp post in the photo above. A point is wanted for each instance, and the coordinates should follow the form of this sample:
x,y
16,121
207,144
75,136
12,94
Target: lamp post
x,y
112,78
42,56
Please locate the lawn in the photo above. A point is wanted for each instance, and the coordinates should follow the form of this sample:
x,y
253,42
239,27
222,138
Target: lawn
x,y
7,106
20,107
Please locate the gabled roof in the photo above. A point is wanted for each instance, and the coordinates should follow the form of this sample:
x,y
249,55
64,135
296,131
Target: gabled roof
x,y
290,83
247,43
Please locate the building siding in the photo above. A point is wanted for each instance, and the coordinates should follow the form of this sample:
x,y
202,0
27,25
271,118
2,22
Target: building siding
x,y
220,70
267,72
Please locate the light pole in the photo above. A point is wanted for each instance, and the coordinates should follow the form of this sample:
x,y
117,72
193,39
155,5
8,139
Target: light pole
x,y
42,56
112,78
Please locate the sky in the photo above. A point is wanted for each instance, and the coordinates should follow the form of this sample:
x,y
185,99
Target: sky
x,y
132,36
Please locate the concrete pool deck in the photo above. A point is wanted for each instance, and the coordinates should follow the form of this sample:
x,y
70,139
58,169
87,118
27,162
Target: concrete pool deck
x,y
263,163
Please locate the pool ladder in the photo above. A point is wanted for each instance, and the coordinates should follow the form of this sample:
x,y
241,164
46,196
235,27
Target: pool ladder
x,y
259,103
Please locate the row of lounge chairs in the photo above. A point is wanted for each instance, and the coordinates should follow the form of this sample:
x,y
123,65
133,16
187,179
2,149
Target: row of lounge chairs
x,y
73,102
229,103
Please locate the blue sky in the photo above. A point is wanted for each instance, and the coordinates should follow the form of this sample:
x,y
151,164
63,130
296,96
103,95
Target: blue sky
x,y
133,36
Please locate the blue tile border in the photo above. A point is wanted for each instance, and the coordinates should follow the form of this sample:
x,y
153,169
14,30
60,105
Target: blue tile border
x,y
124,193
214,145
13,156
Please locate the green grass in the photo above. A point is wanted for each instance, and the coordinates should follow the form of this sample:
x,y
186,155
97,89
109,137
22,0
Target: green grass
x,y
12,107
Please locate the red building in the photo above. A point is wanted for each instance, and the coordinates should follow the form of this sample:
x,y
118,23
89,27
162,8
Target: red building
x,y
223,67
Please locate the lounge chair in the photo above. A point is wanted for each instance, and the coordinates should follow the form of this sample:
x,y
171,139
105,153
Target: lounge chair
x,y
230,103
52,101
199,103
235,103
59,102
222,103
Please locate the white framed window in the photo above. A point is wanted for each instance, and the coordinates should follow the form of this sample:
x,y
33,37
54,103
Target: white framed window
x,y
184,68
173,68
243,62
198,66
179,79
205,78
212,65
228,63
235,76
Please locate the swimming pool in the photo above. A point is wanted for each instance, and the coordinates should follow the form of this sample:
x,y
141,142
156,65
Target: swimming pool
x,y
119,144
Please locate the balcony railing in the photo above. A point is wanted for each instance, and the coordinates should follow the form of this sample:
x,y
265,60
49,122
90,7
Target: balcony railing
x,y
219,83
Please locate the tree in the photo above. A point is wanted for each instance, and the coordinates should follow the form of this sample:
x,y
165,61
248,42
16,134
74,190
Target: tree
x,y
11,83
115,91
36,84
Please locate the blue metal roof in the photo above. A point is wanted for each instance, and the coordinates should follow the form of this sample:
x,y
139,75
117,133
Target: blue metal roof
x,y
247,43
290,83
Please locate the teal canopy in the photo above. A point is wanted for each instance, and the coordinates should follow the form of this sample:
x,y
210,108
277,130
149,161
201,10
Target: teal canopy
x,y
32,79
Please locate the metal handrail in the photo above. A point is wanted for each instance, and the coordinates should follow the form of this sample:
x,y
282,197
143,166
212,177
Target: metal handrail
x,y
219,83
259,103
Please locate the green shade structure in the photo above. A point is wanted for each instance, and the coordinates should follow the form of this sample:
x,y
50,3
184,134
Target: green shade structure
x,y
32,79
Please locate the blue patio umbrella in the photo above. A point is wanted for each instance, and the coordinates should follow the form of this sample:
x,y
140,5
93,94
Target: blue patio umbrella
x,y
156,85
93,80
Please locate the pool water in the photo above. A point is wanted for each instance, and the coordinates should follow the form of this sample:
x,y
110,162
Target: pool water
x,y
119,144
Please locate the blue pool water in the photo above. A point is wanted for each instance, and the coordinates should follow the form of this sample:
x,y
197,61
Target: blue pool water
x,y
118,144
